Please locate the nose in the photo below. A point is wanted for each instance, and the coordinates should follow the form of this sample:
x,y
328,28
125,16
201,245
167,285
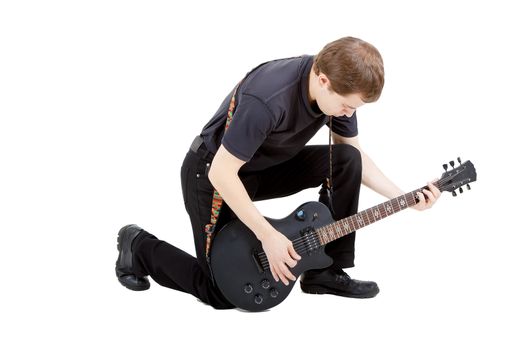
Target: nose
x,y
348,112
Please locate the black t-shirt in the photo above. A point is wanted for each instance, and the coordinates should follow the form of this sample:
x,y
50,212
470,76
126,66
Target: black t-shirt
x,y
272,120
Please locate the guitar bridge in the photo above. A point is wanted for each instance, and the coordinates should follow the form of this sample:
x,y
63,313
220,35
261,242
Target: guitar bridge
x,y
257,259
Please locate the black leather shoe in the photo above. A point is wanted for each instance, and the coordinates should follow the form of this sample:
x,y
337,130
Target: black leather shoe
x,y
126,235
337,282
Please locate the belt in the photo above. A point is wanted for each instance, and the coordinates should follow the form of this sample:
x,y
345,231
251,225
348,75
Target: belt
x,y
199,147
196,144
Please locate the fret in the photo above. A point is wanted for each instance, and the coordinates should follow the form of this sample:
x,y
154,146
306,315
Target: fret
x,y
388,208
346,226
402,202
354,223
326,234
398,206
338,229
360,220
331,232
368,216
412,197
320,237
377,213
323,235
365,218
385,214
408,200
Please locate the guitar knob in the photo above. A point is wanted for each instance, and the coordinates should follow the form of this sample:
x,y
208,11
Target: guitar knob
x,y
248,288
274,293
265,283
300,215
258,299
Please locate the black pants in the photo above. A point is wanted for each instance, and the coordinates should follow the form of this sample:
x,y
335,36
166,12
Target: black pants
x,y
176,269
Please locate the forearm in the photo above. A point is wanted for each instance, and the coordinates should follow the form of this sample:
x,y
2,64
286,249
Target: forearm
x,y
233,192
374,179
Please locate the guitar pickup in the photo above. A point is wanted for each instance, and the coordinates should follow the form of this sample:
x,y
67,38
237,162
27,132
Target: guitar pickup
x,y
309,239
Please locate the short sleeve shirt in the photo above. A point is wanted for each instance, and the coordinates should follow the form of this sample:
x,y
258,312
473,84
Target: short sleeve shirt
x,y
273,119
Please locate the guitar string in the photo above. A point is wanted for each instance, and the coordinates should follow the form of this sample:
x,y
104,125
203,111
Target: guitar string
x,y
301,238
413,192
301,243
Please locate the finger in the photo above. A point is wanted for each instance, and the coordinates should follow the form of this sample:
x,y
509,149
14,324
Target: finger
x,y
434,189
293,253
274,274
282,275
430,196
287,273
421,203
291,262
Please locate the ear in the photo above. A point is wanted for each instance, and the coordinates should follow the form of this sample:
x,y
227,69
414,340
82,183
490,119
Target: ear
x,y
324,81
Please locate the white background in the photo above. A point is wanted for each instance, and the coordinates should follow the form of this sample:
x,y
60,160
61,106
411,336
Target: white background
x,y
100,100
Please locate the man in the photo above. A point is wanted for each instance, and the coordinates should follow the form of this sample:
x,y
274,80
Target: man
x,y
277,108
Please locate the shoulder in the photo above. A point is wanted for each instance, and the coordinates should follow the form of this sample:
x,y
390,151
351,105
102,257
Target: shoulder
x,y
274,77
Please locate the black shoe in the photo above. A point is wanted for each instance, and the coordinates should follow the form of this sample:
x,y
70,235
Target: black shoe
x,y
337,282
126,235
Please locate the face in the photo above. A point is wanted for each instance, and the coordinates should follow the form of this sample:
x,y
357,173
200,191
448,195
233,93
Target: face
x,y
331,103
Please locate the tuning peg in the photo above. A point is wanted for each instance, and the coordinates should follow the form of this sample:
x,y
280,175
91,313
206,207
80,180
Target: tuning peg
x,y
445,166
459,160
468,187
454,193
461,190
451,163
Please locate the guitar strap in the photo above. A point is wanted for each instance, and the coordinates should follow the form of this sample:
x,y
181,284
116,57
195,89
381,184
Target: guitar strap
x,y
216,206
329,183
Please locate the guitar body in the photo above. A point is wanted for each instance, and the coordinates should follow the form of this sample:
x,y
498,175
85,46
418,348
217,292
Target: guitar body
x,y
245,278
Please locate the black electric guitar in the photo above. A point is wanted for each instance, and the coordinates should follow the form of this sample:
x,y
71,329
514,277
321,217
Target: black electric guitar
x,y
241,269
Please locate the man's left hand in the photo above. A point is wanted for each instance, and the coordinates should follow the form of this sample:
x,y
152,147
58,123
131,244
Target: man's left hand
x,y
427,200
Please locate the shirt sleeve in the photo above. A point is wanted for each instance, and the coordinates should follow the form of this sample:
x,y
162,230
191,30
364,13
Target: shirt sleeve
x,y
252,122
344,126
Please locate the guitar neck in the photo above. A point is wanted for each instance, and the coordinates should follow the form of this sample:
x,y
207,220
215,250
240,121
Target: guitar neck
x,y
343,227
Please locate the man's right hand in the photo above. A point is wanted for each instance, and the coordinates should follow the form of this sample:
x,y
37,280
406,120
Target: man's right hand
x,y
281,255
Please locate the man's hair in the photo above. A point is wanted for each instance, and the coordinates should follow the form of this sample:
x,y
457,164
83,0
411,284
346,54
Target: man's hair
x,y
352,66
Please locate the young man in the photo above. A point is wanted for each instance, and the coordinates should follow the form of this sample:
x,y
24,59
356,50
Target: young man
x,y
278,107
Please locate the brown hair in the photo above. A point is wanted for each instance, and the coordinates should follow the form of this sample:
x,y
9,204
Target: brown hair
x,y
352,66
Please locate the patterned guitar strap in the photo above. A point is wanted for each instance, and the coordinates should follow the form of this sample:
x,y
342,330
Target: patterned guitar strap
x,y
216,206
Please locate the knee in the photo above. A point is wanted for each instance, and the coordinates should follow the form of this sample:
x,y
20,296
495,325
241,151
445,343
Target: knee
x,y
348,155
215,298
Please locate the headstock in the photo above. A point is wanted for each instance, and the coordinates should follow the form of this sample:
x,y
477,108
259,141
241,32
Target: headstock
x,y
462,174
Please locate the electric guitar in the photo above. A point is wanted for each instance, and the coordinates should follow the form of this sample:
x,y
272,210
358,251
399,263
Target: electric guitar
x,y
240,266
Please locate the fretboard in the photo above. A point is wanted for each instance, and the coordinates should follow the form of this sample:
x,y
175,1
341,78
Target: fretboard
x,y
343,227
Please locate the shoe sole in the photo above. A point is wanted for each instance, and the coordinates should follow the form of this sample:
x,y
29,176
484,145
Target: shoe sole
x,y
119,238
317,289
136,289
